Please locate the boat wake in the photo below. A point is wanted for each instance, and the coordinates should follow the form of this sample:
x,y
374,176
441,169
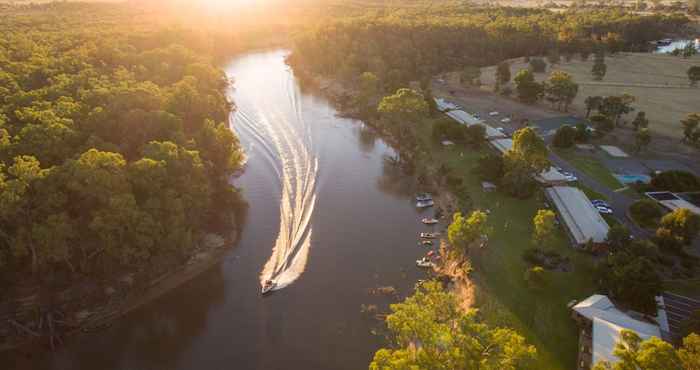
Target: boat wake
x,y
284,139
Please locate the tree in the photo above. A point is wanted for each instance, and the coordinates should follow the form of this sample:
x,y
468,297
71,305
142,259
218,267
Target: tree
x,y
463,232
694,75
369,90
675,181
616,106
651,354
530,148
691,128
536,277
683,224
470,75
592,103
565,137
642,139
518,179
618,237
560,89
544,224
475,134
428,331
640,121
502,73
430,101
631,279
646,212
404,105
529,91
490,167
537,65
602,123
599,69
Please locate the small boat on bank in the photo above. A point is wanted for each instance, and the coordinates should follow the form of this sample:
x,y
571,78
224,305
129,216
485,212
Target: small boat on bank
x,y
429,221
427,243
424,203
429,235
423,197
424,262
268,287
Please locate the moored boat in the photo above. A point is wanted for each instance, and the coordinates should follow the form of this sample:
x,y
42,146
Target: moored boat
x,y
429,235
424,203
429,221
422,197
424,262
426,242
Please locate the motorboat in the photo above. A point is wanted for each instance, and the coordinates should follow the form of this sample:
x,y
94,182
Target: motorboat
x,y
268,287
424,203
424,197
424,262
429,235
429,221
426,242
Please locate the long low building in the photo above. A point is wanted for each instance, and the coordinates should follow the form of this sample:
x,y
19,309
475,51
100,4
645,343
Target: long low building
x,y
602,324
578,214
672,201
453,111
552,176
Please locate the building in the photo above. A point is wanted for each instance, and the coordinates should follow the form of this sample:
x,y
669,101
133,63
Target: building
x,y
581,218
672,201
453,111
601,324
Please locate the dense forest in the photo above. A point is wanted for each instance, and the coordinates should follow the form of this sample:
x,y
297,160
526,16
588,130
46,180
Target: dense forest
x,y
408,44
114,147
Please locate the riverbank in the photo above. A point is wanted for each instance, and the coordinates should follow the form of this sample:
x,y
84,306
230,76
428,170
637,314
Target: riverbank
x,y
496,286
118,297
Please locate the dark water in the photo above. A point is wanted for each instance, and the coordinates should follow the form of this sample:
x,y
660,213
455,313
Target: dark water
x,y
361,228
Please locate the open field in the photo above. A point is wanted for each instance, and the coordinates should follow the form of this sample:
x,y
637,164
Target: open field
x,y
658,81
503,297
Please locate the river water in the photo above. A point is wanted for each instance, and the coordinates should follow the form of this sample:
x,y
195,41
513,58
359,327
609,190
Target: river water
x,y
328,221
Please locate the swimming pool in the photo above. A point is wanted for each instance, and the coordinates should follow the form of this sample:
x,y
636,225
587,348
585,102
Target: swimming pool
x,y
632,179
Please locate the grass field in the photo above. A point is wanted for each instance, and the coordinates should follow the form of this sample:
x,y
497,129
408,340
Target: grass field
x,y
503,297
659,82
591,167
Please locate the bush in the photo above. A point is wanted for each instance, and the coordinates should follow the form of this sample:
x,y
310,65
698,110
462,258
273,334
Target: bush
x,y
675,181
538,65
565,137
475,134
533,256
536,277
602,123
646,212
490,168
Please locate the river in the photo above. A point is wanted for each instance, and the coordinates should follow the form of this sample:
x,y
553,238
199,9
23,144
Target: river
x,y
329,220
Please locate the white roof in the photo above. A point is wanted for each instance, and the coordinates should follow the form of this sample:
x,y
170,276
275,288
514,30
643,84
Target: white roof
x,y
614,151
674,204
608,322
581,218
444,105
502,145
467,119
551,176
606,334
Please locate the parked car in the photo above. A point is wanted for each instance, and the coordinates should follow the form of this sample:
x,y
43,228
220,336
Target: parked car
x,y
493,114
570,177
604,210
598,202
505,120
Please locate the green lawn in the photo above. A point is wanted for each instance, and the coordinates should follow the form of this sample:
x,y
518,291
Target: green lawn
x,y
591,167
502,295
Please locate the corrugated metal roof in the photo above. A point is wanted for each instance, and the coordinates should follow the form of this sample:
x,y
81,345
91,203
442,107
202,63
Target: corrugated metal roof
x,y
581,218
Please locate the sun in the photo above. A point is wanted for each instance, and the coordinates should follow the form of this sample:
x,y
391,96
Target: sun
x,y
223,5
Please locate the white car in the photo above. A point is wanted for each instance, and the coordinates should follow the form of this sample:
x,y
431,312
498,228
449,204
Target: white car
x,y
604,210
505,120
501,129
493,114
570,177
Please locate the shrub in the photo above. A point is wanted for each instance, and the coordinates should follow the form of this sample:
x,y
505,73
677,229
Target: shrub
x,y
490,168
602,123
475,134
536,276
675,181
565,137
538,65
646,212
